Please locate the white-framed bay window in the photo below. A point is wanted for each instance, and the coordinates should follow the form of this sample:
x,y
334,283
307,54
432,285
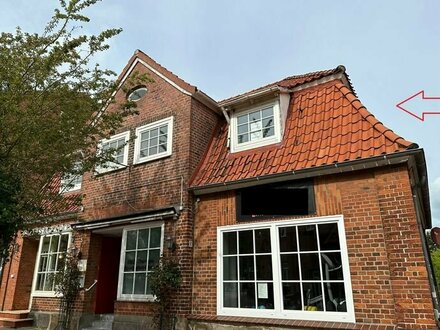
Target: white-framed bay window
x,y
52,251
154,141
296,269
118,143
140,252
256,127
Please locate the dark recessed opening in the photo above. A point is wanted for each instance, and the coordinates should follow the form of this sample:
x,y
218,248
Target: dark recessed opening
x,y
275,200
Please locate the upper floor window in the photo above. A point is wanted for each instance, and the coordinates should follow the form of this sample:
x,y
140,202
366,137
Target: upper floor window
x,y
255,127
154,140
137,94
71,181
119,145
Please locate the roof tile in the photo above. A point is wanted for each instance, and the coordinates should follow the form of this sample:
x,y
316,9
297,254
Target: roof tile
x,y
325,124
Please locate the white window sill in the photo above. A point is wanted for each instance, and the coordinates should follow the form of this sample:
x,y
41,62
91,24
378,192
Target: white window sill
x,y
149,159
136,299
46,294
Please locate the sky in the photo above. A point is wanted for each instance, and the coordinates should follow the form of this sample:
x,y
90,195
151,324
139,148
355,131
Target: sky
x,y
391,49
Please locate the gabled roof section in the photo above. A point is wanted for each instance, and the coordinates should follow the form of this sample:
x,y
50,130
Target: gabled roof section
x,y
326,124
170,77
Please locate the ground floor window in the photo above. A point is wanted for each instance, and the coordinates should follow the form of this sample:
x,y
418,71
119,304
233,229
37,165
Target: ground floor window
x,y
287,269
140,253
51,253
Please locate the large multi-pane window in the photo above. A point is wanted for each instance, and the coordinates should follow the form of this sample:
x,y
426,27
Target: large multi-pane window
x,y
140,253
52,252
119,145
154,140
296,269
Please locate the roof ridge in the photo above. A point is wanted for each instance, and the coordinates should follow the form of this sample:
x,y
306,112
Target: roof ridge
x,y
372,120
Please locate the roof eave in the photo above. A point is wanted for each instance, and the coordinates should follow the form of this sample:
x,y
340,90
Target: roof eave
x,y
347,166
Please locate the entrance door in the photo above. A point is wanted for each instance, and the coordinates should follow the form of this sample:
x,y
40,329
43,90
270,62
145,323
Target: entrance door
x,y
107,286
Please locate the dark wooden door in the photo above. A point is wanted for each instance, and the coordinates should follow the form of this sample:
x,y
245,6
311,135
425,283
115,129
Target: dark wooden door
x,y
107,286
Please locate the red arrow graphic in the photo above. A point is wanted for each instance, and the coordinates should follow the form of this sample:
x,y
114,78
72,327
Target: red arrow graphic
x,y
420,96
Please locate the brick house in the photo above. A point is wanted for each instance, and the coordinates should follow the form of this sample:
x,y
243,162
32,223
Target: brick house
x,y
310,214
288,206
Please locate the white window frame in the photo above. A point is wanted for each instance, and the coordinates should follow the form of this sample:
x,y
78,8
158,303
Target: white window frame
x,y
276,138
278,312
137,144
136,297
41,293
115,166
70,182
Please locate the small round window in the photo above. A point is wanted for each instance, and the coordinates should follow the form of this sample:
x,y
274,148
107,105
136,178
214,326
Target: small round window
x,y
137,94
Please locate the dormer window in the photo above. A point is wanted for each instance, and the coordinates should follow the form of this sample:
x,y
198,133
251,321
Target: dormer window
x,y
255,127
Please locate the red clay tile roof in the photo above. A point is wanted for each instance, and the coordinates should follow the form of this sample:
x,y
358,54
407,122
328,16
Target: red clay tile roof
x,y
293,81
326,124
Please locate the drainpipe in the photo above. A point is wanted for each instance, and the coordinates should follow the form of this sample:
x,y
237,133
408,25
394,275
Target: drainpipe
x,y
426,254
228,120
9,273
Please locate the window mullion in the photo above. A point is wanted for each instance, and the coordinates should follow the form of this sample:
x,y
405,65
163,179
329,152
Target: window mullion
x,y
276,273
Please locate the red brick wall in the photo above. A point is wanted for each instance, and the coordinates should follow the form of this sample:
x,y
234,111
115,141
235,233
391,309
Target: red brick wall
x,y
389,277
16,284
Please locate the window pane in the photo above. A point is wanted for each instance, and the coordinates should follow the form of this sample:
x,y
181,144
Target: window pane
x,y
139,283
307,238
162,148
141,261
268,122
289,267
264,267
154,132
230,243
310,266
45,247
162,139
64,242
143,239
265,296
127,285
43,264
155,237
246,241
230,268
329,236
163,129
331,266
61,261
242,129
48,284
267,112
152,151
230,295
145,136
288,239
268,132
52,261
243,138
148,291
129,261
144,145
54,243
153,259
312,297
262,241
242,119
255,126
154,142
335,297
255,135
40,282
247,268
254,116
292,296
247,295
131,240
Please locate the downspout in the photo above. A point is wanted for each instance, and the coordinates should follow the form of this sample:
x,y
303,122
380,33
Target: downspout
x,y
426,253
228,120
9,274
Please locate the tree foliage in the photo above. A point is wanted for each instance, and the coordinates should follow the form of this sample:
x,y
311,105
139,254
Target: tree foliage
x,y
52,97
164,281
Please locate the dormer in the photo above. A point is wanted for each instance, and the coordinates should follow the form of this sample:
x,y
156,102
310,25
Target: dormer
x,y
257,119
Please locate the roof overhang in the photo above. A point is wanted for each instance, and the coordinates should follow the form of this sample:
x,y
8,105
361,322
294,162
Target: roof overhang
x,y
342,167
144,216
